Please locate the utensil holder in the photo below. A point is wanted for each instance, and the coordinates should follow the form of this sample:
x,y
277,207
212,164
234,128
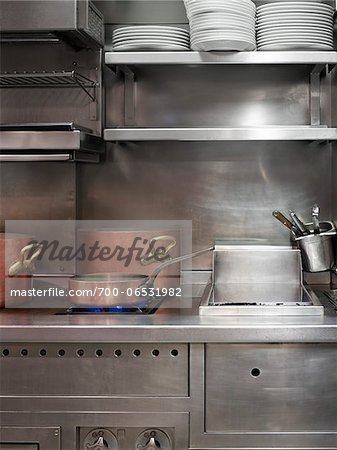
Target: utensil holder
x,y
317,250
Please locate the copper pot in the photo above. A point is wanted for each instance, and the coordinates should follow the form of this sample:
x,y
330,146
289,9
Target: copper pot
x,y
168,240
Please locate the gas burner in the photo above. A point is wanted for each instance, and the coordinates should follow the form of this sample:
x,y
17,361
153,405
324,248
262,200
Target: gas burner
x,y
144,308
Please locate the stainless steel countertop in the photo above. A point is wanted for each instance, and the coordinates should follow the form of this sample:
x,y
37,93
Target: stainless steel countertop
x,y
166,325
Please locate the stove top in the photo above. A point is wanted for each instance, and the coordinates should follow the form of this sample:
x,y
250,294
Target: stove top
x,y
142,308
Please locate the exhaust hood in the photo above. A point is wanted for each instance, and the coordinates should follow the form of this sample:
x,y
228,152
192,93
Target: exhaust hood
x,y
77,22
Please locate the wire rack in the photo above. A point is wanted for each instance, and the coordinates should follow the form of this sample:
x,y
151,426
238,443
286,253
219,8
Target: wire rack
x,y
62,79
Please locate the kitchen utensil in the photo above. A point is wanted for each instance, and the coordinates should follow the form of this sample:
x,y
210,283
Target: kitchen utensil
x,y
315,218
317,250
116,289
298,223
286,222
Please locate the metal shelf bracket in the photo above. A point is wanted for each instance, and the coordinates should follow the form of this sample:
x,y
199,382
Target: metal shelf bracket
x,y
129,94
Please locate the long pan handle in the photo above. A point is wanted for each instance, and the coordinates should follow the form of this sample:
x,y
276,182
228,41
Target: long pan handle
x,y
149,282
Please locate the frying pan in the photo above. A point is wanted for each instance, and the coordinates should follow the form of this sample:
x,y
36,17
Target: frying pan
x,y
118,289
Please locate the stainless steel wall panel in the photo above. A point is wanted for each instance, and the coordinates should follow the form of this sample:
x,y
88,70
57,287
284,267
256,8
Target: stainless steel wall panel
x,y
215,96
226,189
37,191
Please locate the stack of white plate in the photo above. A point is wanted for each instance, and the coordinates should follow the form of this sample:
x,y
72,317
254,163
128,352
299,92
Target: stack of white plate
x,y
223,25
150,37
295,26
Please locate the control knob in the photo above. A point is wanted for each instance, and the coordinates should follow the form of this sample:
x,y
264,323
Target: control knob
x,y
100,439
153,440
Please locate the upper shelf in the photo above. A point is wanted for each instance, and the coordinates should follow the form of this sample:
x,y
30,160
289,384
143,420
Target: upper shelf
x,y
312,58
268,133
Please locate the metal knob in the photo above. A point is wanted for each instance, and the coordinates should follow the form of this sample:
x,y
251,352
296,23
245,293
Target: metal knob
x,y
100,444
151,445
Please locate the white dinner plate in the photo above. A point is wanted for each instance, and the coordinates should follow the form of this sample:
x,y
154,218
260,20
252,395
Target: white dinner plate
x,y
151,37
221,7
298,33
222,45
223,36
302,6
233,4
295,26
295,16
222,23
314,32
151,28
294,40
294,47
148,46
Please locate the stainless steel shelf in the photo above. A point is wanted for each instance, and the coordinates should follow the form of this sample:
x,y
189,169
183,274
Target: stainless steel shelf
x,y
270,133
132,58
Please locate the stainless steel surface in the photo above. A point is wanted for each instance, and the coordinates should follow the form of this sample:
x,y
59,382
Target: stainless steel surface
x,y
34,157
78,22
50,140
257,279
255,261
167,325
221,58
300,133
263,389
129,370
30,438
216,181
258,300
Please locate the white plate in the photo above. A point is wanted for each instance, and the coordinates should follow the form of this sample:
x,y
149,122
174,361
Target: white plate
x,y
296,30
223,37
221,7
152,47
303,6
295,26
157,41
223,23
221,28
150,36
148,41
294,15
293,41
153,32
285,33
230,3
223,45
294,47
151,28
